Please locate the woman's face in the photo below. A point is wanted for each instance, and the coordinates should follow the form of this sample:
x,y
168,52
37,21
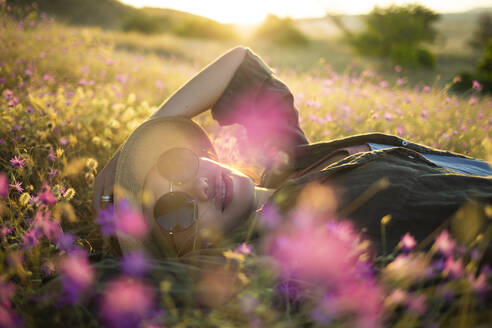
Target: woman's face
x,y
223,195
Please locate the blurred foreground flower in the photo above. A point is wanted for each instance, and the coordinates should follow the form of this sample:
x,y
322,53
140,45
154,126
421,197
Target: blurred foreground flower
x,y
330,261
127,302
8,318
135,264
407,242
76,274
4,185
126,220
444,243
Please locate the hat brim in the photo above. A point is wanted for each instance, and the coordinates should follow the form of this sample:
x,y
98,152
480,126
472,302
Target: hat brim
x,y
139,154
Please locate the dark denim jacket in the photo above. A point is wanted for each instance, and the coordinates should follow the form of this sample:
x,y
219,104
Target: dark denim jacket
x,y
421,196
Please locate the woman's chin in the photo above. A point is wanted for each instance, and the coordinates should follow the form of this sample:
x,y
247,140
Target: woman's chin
x,y
242,200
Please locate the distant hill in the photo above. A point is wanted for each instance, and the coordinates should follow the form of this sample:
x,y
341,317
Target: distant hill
x,y
112,14
108,14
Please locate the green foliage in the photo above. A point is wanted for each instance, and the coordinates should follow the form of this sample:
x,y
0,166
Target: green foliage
x,y
396,32
281,31
483,32
200,27
103,13
141,22
483,74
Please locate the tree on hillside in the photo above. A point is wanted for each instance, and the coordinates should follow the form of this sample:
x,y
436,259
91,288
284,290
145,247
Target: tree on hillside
x,y
483,32
396,33
281,31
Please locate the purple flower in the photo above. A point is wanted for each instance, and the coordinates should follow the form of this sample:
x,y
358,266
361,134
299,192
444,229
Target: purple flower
x,y
52,156
17,162
4,185
52,173
106,218
66,242
135,264
17,185
6,230
8,318
269,216
30,238
76,274
127,302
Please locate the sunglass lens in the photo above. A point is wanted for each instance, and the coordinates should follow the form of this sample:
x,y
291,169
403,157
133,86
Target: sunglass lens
x,y
175,211
178,164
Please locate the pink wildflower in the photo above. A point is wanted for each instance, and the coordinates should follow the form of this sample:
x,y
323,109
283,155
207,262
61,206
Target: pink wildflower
x,y
76,274
126,302
478,284
6,230
457,79
444,243
408,242
30,238
244,249
44,224
397,297
130,221
472,101
427,88
64,141
454,268
383,84
52,156
17,185
476,86
52,173
360,299
17,162
47,197
400,81
388,116
416,304
398,68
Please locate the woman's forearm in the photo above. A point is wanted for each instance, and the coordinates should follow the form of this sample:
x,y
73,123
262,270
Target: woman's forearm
x,y
203,90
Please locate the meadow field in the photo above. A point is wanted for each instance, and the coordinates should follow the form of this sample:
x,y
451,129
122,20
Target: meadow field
x,y
70,96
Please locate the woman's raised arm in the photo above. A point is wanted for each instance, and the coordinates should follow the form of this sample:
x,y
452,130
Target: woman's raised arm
x,y
204,89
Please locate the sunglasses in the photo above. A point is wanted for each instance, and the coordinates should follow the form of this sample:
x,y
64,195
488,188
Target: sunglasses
x,y
177,211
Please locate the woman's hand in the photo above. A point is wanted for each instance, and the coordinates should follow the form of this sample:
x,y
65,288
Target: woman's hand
x,y
104,183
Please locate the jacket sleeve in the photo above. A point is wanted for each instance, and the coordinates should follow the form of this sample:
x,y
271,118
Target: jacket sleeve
x,y
263,104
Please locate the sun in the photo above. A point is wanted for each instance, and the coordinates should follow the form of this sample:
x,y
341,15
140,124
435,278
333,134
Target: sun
x,y
238,12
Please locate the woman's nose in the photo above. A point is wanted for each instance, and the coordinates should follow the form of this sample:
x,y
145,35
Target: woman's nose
x,y
201,188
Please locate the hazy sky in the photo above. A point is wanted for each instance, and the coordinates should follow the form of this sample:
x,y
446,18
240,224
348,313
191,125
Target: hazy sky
x,y
254,11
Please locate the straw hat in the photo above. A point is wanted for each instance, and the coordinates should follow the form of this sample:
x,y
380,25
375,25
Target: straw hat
x,y
138,155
